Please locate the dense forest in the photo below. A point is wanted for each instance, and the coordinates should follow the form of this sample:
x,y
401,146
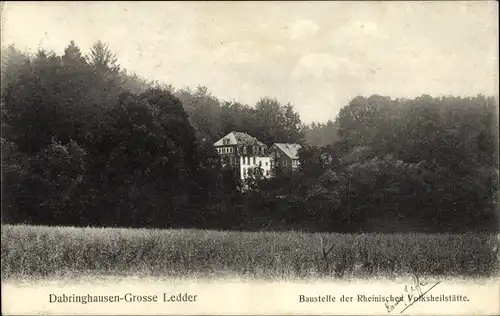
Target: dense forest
x,y
86,143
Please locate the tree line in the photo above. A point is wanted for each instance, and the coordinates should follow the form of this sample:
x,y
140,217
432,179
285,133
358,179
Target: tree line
x,y
85,142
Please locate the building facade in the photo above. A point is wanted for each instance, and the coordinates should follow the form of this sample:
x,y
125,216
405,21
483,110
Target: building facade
x,y
244,153
251,164
285,156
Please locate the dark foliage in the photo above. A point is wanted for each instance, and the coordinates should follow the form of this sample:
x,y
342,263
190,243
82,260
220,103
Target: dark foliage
x,y
85,143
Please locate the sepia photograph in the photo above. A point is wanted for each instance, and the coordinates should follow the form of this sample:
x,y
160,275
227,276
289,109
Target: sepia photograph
x,y
250,158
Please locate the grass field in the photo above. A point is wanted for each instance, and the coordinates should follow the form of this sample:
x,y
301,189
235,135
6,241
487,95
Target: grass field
x,y
39,251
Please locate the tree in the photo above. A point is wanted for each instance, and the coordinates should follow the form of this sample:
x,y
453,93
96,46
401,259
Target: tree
x,y
103,59
14,63
73,56
319,134
46,190
134,83
106,73
235,116
204,112
275,123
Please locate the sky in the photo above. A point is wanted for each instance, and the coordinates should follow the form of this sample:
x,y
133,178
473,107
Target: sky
x,y
314,55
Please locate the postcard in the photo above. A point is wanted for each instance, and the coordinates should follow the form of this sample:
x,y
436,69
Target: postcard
x,y
250,158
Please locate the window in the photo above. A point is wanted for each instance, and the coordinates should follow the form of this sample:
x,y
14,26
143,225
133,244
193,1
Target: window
x,y
245,150
267,163
254,161
267,172
284,162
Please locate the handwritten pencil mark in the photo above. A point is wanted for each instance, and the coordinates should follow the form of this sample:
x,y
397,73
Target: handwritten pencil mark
x,y
420,297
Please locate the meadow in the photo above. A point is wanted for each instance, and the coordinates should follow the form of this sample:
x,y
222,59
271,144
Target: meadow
x,y
42,251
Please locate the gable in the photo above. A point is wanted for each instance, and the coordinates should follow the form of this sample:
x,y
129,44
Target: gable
x,y
290,150
231,140
238,138
245,139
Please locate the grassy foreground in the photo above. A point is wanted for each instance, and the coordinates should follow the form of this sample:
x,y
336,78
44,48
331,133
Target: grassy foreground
x,y
39,251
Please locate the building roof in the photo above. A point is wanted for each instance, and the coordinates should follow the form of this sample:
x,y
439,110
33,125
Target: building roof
x,y
291,150
239,138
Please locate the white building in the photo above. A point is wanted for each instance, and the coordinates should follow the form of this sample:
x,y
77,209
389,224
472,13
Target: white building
x,y
243,153
249,164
